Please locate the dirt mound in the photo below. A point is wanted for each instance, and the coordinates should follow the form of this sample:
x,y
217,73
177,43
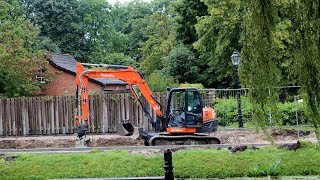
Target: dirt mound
x,y
226,137
7,144
250,136
46,142
240,136
278,133
67,142
121,141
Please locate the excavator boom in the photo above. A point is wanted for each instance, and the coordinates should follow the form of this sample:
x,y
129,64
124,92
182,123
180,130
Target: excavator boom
x,y
124,73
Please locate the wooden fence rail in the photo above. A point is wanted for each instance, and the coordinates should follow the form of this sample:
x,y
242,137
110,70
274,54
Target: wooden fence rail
x,y
55,115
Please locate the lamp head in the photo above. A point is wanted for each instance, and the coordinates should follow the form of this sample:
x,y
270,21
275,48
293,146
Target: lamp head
x,y
235,58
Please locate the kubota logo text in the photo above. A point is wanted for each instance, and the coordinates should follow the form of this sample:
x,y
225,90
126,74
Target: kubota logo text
x,y
107,75
176,130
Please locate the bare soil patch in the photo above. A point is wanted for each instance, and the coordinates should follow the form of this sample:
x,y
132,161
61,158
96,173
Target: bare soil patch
x,y
227,137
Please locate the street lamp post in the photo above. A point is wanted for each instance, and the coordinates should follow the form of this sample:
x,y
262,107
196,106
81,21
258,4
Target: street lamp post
x,y
235,59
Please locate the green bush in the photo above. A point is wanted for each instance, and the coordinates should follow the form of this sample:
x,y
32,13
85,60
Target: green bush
x,y
195,85
227,111
287,113
159,82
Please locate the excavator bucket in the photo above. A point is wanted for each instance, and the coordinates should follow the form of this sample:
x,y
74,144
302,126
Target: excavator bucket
x,y
125,129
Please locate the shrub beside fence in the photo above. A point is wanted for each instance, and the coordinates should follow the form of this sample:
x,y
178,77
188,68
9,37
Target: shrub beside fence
x,y
289,111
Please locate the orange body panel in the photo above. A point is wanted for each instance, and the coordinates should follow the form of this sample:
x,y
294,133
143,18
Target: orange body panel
x,y
208,114
180,130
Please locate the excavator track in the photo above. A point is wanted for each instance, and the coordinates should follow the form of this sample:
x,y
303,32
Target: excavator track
x,y
182,140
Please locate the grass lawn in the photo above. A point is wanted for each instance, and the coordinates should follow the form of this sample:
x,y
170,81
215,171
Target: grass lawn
x,y
195,163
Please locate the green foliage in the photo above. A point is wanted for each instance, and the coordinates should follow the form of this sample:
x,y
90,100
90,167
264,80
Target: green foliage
x,y
182,65
307,144
219,35
262,73
130,19
287,113
195,85
96,151
113,58
227,110
159,82
76,27
266,169
185,15
306,53
96,24
159,43
20,61
188,11
59,21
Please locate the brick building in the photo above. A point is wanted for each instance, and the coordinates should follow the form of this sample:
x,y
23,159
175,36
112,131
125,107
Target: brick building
x,y
62,69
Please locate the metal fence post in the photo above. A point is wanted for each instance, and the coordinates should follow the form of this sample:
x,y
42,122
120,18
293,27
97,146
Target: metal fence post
x,y
168,173
297,118
270,113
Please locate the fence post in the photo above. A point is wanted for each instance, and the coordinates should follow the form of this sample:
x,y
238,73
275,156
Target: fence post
x,y
270,113
1,118
168,173
297,118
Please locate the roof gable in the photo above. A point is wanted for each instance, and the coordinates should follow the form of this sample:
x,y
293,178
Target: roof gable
x,y
67,63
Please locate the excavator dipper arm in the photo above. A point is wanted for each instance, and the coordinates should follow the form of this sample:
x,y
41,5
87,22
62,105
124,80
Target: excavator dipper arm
x,y
124,73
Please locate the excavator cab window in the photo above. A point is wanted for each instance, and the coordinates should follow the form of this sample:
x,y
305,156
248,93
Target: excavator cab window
x,y
194,103
177,108
185,108
194,108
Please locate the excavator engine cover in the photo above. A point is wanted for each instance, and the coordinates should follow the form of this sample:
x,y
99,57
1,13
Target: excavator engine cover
x,y
125,129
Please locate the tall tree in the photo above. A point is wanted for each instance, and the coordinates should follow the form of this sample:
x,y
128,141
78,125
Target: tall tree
x,y
306,50
219,34
82,28
20,61
101,37
187,14
130,19
183,65
160,41
188,11
262,73
61,22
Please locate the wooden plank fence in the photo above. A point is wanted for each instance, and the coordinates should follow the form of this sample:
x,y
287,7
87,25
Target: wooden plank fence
x,y
55,115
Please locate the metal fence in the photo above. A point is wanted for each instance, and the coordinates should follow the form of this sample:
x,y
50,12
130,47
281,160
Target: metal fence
x,y
224,102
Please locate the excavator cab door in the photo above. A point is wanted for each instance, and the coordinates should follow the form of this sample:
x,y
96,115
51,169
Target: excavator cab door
x,y
184,107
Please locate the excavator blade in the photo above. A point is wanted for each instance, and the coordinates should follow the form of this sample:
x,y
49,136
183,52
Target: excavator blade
x,y
82,142
125,129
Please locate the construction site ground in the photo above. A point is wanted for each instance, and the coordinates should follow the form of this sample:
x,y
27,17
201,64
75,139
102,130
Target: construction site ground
x,y
107,140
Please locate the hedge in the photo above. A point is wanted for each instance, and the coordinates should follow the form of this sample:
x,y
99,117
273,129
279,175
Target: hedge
x,y
227,111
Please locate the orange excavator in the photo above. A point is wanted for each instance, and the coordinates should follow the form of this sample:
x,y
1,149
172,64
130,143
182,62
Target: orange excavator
x,y
186,120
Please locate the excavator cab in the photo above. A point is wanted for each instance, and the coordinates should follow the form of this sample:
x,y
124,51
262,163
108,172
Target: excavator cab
x,y
184,107
186,120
